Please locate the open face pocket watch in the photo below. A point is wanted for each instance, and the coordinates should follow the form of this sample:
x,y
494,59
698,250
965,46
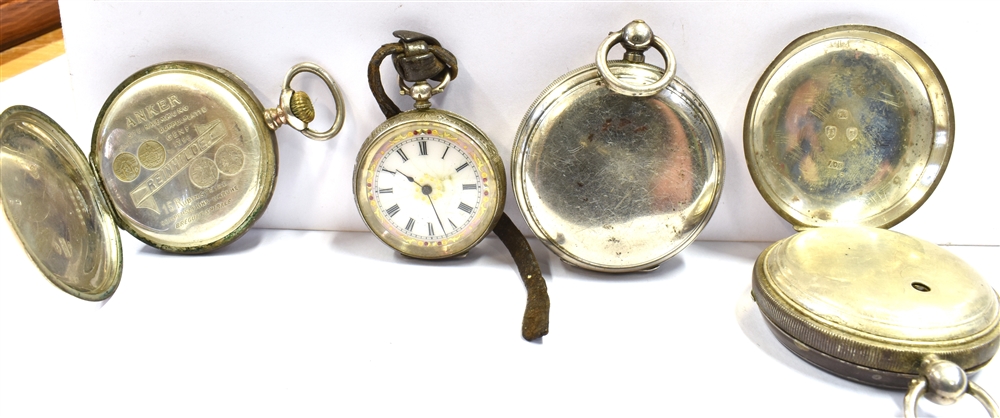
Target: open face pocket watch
x,y
184,158
428,182
618,166
847,133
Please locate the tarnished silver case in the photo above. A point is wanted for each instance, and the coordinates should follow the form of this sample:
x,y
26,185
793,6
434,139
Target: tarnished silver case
x,y
847,133
615,183
182,159
53,202
185,156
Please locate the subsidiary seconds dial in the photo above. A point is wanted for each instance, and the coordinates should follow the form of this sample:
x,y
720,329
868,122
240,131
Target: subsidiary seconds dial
x,y
429,189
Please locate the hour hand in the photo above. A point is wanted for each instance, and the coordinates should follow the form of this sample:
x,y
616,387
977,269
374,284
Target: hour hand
x,y
408,178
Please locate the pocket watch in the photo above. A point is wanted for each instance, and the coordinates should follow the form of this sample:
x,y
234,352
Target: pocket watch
x,y
618,166
183,157
847,133
428,182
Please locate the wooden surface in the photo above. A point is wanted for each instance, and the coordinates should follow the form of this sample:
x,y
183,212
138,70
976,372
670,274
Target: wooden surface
x,y
23,20
30,34
28,55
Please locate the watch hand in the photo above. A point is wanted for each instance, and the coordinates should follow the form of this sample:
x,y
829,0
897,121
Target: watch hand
x,y
410,179
435,211
426,190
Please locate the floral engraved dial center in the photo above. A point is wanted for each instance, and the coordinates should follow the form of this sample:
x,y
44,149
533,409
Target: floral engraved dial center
x,y
427,186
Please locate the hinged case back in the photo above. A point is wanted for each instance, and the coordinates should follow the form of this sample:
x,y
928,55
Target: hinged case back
x,y
850,125
54,204
847,133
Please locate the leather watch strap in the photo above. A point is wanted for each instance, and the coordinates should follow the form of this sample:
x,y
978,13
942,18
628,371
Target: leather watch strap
x,y
438,60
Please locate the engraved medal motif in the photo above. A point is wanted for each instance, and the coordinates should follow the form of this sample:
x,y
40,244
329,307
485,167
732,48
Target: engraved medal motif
x,y
183,153
151,154
126,167
202,171
172,126
186,154
230,159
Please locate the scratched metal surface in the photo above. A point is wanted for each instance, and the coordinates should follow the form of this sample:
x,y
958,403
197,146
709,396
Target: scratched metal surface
x,y
850,125
185,157
617,183
50,198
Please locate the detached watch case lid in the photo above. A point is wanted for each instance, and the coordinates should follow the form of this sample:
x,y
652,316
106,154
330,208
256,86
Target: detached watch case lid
x,y
52,200
848,131
618,166
183,157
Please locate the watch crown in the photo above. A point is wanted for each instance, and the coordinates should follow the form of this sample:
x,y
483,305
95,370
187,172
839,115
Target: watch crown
x,y
302,107
636,38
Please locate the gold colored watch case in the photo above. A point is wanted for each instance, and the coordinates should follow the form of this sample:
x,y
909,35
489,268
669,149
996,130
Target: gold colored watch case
x,y
847,132
456,128
70,229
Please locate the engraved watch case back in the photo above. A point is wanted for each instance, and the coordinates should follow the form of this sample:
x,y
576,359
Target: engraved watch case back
x,y
847,132
185,156
613,182
52,201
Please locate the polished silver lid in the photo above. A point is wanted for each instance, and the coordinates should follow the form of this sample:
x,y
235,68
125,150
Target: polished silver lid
x,y
850,125
54,205
848,132
185,156
618,182
878,301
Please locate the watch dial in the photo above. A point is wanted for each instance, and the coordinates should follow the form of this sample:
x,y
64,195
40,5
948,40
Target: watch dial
x,y
427,187
428,191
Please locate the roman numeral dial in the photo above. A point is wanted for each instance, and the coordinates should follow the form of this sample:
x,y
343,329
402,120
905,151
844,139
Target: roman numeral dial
x,y
428,191
428,188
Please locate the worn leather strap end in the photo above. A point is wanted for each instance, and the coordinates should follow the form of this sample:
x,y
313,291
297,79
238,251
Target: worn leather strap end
x,y
536,313
448,59
389,109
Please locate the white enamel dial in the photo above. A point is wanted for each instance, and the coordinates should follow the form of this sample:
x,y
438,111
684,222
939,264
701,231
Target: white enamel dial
x,y
429,189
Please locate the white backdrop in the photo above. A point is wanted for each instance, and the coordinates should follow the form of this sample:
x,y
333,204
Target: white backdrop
x,y
318,323
509,52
